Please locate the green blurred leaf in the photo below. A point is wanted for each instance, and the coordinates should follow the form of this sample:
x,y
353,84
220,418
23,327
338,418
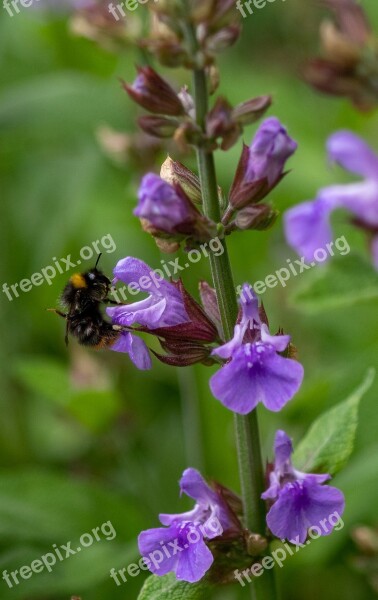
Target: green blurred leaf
x,y
95,408
41,506
330,440
46,377
168,588
344,281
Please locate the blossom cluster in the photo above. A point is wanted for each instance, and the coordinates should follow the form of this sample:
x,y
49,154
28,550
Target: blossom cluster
x,y
257,365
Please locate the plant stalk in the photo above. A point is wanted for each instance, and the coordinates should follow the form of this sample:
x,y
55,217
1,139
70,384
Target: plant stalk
x,y
246,427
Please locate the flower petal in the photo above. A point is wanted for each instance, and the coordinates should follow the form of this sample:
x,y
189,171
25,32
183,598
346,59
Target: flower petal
x,y
283,449
149,541
147,312
194,562
286,519
307,228
279,379
132,270
135,348
279,342
232,385
323,501
257,374
352,153
193,485
360,198
302,505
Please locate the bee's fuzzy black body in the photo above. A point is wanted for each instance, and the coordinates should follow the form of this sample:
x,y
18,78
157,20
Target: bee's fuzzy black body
x,y
82,298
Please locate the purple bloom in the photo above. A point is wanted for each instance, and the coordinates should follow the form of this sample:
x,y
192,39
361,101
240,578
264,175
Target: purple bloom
x,y
210,511
269,152
135,348
300,499
256,372
307,226
164,306
160,204
180,547
176,549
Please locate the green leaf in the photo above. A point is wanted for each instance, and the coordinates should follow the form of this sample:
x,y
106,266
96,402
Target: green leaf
x,y
344,281
329,442
46,377
168,588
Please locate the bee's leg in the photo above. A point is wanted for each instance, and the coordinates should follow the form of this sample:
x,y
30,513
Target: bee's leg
x,y
66,336
65,316
57,312
108,301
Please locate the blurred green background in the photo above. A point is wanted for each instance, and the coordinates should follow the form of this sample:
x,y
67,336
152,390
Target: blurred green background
x,y
86,438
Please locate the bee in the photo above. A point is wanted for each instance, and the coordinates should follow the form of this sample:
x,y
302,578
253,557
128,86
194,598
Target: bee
x,y
82,297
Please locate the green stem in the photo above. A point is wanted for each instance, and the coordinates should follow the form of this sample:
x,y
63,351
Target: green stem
x,y
191,417
246,427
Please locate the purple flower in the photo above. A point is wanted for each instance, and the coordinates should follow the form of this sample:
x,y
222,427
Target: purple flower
x,y
180,547
161,205
176,549
135,348
269,152
256,372
300,499
210,510
164,306
307,226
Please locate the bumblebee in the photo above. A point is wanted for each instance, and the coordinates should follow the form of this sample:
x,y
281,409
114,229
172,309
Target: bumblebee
x,y
82,297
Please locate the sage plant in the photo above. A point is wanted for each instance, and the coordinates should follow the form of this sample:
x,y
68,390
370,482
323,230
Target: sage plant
x,y
184,210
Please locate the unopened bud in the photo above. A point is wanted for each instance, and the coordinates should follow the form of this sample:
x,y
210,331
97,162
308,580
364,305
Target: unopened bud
x,y
256,216
154,94
337,46
223,39
174,172
251,110
256,544
161,127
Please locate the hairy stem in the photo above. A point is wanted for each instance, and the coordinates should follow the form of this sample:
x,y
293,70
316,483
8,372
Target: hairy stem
x,y
246,427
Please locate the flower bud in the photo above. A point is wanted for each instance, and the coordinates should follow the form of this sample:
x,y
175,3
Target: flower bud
x,y
210,303
256,543
158,126
160,204
261,166
220,124
256,216
348,66
170,8
174,172
269,152
251,110
154,94
337,45
224,38
167,212
201,10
